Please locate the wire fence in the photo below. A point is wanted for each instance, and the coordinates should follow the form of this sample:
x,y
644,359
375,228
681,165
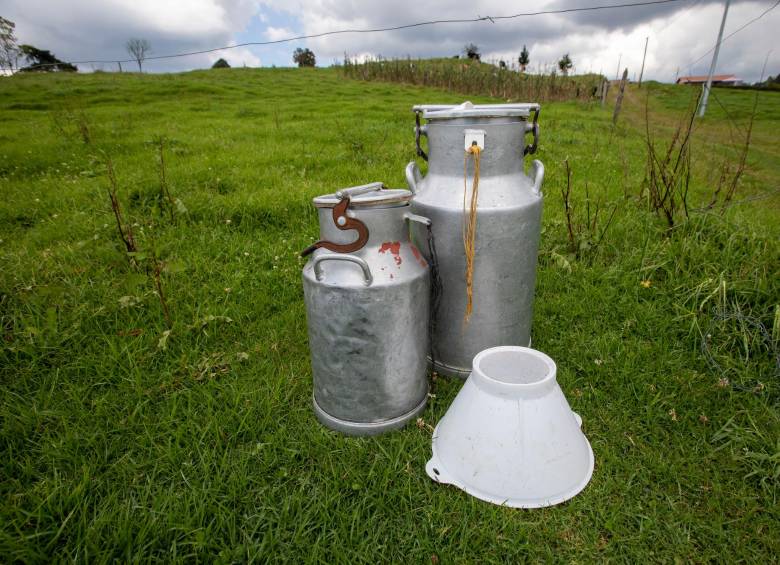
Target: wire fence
x,y
730,329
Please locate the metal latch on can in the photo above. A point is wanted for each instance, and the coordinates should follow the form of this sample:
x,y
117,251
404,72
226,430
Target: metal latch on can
x,y
473,137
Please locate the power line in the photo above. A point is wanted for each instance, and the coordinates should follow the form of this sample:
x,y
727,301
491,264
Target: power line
x,y
736,31
731,121
708,84
491,19
675,20
687,10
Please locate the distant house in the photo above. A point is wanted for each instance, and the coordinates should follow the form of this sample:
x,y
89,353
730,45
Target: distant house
x,y
717,80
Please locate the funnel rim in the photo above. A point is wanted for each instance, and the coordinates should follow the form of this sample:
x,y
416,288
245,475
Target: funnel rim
x,y
544,358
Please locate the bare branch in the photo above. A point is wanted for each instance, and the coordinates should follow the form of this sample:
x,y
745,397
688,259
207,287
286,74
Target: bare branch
x,y
138,49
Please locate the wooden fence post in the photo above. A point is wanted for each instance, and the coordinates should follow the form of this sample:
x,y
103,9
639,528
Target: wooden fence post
x,y
619,100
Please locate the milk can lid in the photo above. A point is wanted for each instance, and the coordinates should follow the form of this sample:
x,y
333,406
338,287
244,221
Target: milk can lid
x,y
469,110
366,196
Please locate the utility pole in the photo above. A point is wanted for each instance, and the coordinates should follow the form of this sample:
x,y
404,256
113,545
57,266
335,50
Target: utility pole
x,y
642,72
706,95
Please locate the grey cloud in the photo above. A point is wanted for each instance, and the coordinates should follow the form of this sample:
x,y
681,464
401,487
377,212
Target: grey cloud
x,y
679,32
87,30
622,18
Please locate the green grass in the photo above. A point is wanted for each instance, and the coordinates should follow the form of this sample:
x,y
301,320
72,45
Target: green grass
x,y
119,444
724,128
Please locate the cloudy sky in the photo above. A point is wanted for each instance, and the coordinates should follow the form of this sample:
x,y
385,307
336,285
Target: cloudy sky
x,y
680,33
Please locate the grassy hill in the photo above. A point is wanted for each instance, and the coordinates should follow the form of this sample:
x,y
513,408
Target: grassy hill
x,y
472,77
125,437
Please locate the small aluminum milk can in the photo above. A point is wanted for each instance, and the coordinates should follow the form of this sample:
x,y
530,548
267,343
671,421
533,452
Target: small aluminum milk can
x,y
476,181
366,290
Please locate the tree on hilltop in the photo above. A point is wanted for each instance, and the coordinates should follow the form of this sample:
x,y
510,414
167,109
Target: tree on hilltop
x,y
42,60
565,64
304,57
472,51
524,59
138,49
220,64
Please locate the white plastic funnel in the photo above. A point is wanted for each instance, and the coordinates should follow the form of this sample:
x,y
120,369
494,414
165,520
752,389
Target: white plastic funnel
x,y
510,437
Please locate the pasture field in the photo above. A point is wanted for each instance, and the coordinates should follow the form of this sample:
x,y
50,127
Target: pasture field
x,y
124,437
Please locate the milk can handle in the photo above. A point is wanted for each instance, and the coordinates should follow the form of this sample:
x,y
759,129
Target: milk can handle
x,y
350,258
358,190
419,130
413,176
537,175
533,127
409,217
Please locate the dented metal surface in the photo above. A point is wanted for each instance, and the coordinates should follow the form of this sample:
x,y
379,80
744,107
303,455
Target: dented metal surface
x,y
367,315
509,212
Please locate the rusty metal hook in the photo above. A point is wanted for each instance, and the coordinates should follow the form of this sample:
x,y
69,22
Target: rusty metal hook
x,y
343,222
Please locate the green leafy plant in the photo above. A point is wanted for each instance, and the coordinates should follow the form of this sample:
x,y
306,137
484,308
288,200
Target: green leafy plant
x,y
565,64
304,57
524,59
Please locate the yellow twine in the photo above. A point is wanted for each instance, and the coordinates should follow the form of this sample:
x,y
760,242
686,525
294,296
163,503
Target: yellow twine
x,y
470,225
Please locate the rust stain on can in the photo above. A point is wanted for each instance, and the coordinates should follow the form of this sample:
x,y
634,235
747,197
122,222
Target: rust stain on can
x,y
394,247
417,255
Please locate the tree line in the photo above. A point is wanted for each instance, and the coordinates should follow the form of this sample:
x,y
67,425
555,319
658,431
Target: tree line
x,y
28,58
36,59
41,60
471,51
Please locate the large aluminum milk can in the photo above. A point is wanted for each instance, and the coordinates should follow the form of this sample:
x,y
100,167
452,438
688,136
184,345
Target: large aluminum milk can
x,y
508,225
366,289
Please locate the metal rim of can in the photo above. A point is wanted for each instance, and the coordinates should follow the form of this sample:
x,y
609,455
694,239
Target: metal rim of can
x,y
385,198
468,110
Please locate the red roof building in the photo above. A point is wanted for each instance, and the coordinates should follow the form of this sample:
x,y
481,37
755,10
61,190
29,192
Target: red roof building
x,y
725,80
